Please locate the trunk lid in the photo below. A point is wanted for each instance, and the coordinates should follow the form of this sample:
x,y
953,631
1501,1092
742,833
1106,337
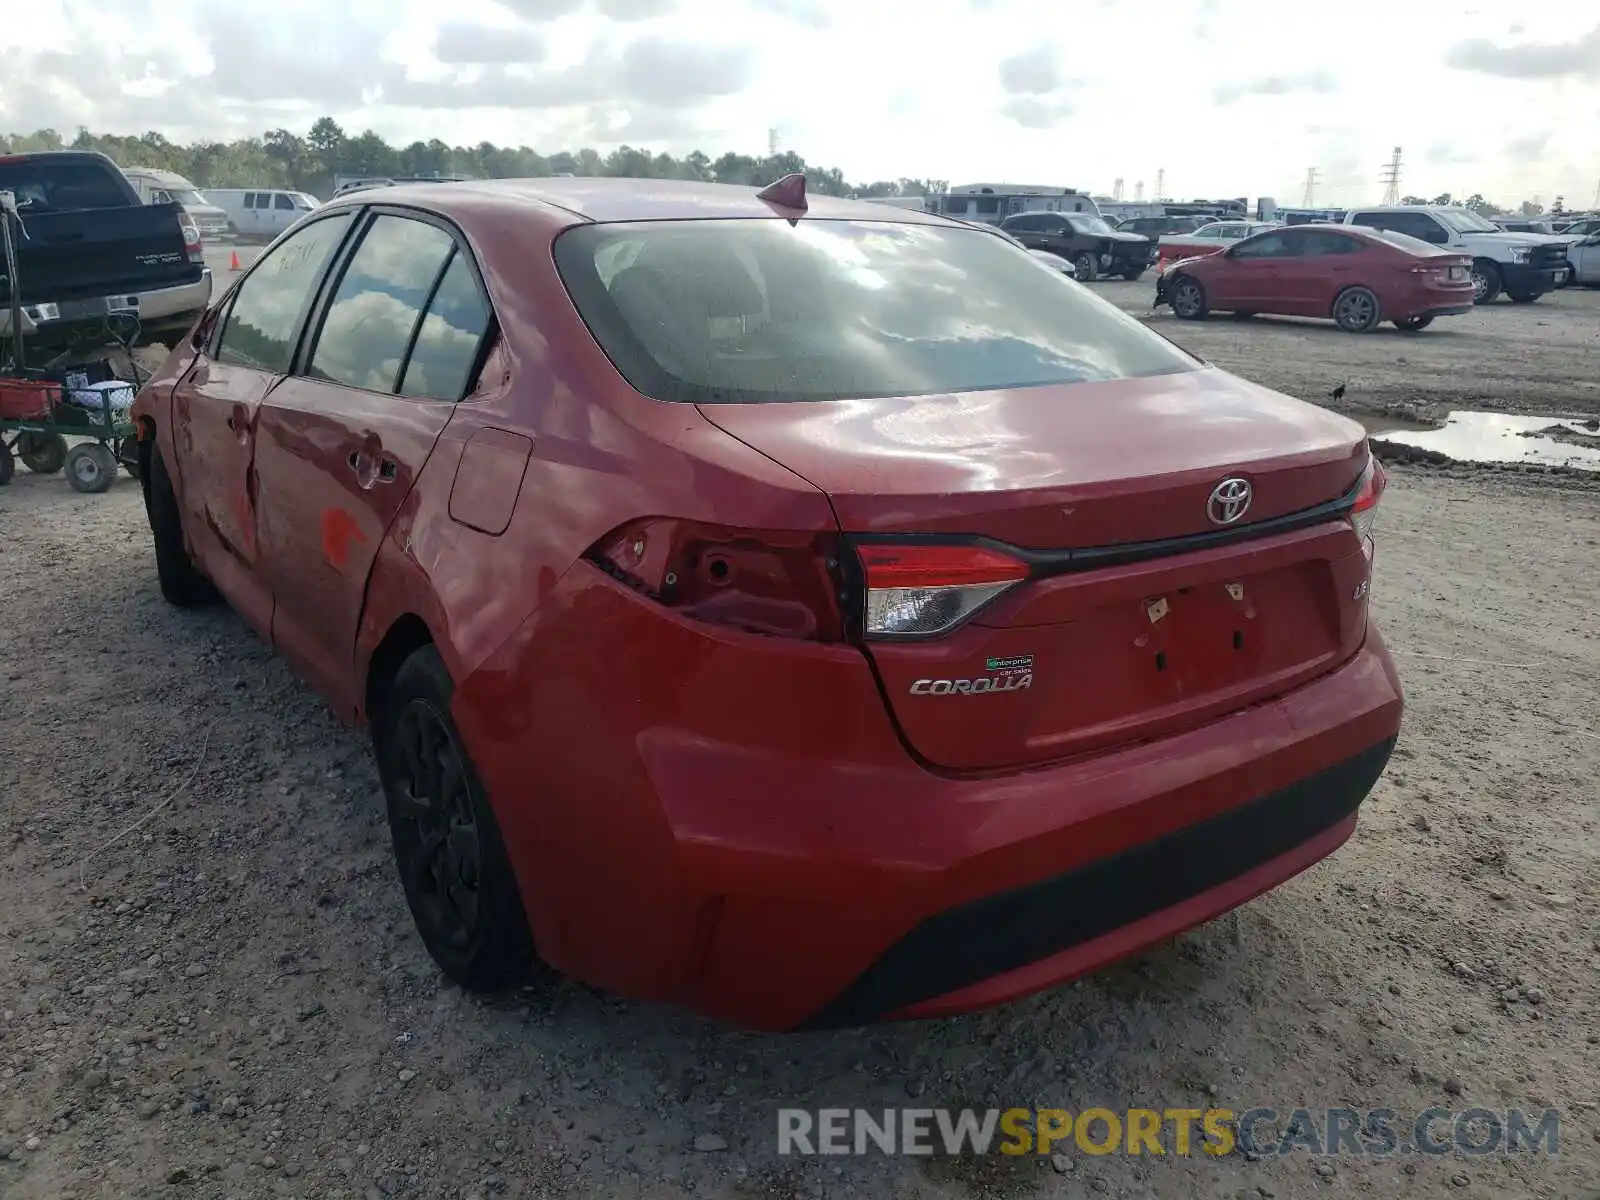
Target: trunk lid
x,y
1135,642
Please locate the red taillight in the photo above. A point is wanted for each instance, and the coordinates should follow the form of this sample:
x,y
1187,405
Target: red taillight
x,y
191,238
1364,512
922,590
780,583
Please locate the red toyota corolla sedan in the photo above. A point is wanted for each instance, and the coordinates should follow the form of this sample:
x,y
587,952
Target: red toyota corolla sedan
x,y
808,613
1356,277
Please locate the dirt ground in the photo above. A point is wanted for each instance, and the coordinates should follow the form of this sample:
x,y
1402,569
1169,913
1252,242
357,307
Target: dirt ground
x,y
209,984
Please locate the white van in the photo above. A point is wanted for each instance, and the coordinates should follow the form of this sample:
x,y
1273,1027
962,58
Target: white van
x,y
162,187
261,212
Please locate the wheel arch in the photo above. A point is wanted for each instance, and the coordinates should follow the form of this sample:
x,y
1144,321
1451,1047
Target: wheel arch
x,y
407,634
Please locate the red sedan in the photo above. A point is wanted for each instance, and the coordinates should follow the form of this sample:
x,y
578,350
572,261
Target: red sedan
x,y
1354,276
805,612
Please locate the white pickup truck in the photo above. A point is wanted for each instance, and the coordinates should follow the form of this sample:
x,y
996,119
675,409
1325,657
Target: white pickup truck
x,y
1522,265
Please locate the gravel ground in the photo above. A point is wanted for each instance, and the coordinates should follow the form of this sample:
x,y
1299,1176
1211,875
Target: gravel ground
x,y
209,984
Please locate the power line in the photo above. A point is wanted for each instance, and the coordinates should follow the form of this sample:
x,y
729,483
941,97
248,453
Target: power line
x,y
1391,179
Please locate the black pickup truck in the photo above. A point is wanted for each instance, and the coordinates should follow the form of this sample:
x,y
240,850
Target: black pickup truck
x,y
1086,241
89,255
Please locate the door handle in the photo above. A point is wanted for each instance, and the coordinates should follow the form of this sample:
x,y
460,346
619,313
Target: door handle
x,y
362,464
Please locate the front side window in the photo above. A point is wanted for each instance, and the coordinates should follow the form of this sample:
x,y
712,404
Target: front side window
x,y
1267,245
759,310
282,203
1091,225
378,303
264,320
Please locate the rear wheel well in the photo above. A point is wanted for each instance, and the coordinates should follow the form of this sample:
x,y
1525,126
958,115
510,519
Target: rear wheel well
x,y
144,448
407,635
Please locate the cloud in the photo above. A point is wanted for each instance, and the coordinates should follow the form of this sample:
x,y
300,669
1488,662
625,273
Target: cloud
x,y
338,67
803,12
1035,72
464,43
1577,59
670,75
1446,154
1036,112
542,11
1319,82
1528,148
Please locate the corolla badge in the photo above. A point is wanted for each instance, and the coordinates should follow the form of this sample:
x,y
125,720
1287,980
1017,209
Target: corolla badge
x,y
1229,501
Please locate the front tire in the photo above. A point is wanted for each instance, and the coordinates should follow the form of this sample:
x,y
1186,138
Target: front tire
x,y
1485,281
1356,310
1188,299
182,585
1133,276
447,845
1084,265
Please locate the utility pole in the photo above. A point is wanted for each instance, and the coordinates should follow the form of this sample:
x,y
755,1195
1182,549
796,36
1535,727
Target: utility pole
x,y
1116,189
1161,184
1311,188
772,143
1138,192
1391,179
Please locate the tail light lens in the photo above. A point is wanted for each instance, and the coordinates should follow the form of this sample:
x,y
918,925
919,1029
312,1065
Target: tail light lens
x,y
915,591
1364,513
780,583
192,244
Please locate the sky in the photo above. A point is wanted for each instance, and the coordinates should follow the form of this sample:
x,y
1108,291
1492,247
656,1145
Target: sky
x,y
1223,97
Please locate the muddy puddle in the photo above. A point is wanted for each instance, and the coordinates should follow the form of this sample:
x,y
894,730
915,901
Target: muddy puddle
x,y
1484,437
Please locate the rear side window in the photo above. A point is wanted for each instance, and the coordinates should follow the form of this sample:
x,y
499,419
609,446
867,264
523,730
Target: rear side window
x,y
447,345
759,310
378,303
46,185
267,310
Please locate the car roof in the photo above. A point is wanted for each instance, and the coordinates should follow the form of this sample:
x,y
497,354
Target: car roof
x,y
615,199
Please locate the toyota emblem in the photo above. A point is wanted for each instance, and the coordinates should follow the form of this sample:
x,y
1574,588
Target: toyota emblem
x,y
1229,501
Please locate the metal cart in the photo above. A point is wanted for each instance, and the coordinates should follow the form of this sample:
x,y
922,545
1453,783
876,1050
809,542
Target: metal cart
x,y
36,416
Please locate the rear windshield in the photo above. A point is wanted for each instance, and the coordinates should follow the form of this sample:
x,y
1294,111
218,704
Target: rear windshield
x,y
1406,242
43,185
762,310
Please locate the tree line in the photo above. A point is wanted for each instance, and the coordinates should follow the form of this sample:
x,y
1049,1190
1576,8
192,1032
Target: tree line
x,y
1484,208
284,159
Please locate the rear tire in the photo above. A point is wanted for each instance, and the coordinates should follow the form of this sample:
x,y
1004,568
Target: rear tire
x,y
1188,299
448,848
1083,263
42,453
1485,281
1413,324
1356,310
91,468
8,465
182,585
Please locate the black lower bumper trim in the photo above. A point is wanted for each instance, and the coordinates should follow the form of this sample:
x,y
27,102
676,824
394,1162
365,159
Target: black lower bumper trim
x,y
995,934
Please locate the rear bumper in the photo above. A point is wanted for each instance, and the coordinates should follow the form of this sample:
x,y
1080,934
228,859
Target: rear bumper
x,y
682,834
160,308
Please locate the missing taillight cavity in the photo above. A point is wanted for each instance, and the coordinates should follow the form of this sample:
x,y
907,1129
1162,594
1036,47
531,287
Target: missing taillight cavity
x,y
919,590
782,583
